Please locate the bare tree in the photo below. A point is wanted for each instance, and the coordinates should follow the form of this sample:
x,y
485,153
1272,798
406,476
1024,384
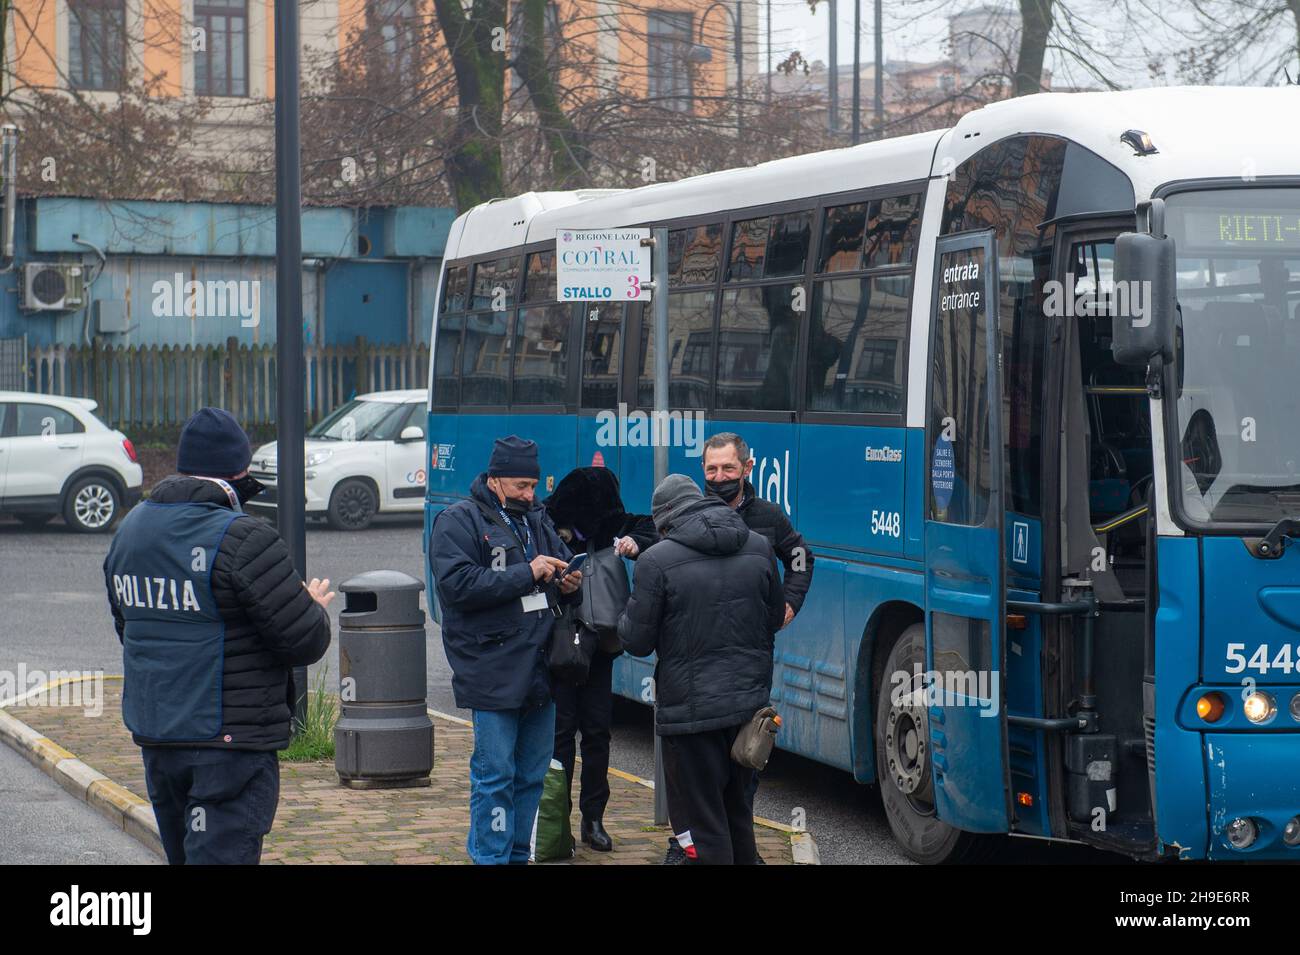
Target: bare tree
x,y
476,43
1227,31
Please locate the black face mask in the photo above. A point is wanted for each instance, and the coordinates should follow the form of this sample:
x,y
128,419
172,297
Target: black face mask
x,y
247,488
727,490
516,507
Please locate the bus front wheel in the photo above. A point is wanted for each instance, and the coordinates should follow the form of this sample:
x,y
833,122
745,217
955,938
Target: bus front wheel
x,y
904,764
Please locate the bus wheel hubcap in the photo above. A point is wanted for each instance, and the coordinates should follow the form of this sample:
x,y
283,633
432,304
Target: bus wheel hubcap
x,y
906,736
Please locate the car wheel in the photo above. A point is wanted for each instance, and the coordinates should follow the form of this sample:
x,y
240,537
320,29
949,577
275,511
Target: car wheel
x,y
91,505
904,766
352,505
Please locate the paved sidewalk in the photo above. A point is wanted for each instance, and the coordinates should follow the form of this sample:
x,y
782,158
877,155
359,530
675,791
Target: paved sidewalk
x,y
319,821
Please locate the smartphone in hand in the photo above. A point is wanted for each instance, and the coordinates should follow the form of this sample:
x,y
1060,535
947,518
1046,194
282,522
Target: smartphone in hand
x,y
575,564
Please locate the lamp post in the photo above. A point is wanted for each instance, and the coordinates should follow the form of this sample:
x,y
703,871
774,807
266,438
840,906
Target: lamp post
x,y
290,370
857,72
701,53
880,70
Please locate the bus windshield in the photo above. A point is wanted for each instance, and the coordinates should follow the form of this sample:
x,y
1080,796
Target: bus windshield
x,y
1238,407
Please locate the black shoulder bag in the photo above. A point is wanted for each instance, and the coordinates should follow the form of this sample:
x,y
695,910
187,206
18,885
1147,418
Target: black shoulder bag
x,y
568,656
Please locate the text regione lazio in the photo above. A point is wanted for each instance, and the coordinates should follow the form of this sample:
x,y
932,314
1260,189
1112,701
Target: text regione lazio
x,y
779,433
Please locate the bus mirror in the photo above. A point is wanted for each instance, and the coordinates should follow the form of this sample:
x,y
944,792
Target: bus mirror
x,y
1145,297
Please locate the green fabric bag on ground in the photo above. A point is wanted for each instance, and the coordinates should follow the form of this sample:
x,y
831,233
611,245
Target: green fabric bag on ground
x,y
552,836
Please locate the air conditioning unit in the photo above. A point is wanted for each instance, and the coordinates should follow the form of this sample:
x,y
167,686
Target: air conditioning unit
x,y
53,286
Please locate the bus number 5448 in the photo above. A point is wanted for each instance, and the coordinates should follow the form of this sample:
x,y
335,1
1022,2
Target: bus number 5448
x,y
886,523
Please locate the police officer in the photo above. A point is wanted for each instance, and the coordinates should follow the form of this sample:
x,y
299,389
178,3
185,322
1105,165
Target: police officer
x,y
212,616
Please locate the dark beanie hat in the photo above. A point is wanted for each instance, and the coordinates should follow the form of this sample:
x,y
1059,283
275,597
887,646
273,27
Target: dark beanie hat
x,y
674,494
213,445
514,457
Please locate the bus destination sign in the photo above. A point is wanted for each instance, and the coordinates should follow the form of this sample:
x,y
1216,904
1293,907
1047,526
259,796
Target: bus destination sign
x,y
602,265
1241,229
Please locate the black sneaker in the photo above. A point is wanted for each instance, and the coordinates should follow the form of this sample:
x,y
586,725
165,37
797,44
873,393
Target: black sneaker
x,y
676,855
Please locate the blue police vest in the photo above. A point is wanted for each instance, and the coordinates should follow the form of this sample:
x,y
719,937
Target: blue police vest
x,y
160,569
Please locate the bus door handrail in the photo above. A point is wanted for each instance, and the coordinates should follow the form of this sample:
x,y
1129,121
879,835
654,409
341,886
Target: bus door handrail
x,y
1085,720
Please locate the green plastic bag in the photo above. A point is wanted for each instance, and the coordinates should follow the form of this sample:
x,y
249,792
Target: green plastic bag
x,y
552,836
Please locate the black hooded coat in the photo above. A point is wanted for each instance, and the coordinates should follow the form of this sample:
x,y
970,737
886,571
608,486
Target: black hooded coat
x,y
708,599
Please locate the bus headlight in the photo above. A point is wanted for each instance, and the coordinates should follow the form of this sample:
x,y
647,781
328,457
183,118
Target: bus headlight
x,y
1210,707
1259,707
1242,833
1295,707
1291,833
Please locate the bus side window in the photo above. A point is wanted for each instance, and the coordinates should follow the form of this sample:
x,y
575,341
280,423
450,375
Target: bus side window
x,y
857,343
485,361
446,370
757,344
690,341
447,335
541,355
602,343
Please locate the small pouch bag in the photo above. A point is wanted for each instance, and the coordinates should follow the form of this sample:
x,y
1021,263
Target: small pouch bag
x,y
754,742
569,655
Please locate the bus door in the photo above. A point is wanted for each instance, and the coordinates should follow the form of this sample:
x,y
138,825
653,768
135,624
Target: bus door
x,y
964,561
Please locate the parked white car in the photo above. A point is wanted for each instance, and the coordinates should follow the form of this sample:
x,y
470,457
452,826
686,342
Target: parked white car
x,y
56,457
366,458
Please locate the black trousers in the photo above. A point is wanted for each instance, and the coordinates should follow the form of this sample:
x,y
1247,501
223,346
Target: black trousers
x,y
587,709
213,806
710,812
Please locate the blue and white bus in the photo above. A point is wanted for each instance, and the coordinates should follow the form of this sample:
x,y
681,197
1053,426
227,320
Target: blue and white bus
x,y
1053,594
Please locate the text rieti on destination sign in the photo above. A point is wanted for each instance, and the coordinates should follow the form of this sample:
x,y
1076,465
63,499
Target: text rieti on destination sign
x,y
602,265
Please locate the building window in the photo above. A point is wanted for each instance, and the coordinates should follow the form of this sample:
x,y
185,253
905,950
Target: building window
x,y
221,63
397,26
668,71
96,44
552,37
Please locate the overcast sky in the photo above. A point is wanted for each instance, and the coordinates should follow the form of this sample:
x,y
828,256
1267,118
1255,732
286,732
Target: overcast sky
x,y
915,30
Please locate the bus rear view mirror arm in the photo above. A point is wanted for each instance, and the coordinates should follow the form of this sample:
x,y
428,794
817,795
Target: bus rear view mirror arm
x,y
1143,303
1275,541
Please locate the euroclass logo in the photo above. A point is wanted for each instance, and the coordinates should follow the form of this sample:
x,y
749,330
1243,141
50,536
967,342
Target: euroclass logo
x,y
885,454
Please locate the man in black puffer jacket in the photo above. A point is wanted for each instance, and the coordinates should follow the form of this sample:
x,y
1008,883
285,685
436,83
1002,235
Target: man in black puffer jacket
x,y
212,616
707,598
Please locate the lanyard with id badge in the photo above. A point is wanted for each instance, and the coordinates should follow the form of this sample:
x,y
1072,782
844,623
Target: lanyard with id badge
x,y
538,600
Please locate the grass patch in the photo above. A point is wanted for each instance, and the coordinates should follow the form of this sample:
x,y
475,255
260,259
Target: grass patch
x,y
314,739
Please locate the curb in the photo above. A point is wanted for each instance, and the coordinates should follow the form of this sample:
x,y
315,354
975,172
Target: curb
x,y
135,817
802,845
117,804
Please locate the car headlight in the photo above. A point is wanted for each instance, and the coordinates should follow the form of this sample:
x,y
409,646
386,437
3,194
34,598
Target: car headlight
x,y
318,457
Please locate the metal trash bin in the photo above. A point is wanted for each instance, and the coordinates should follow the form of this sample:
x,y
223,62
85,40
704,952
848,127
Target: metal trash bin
x,y
384,737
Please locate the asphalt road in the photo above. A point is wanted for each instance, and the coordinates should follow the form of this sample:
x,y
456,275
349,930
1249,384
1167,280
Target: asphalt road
x,y
53,615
